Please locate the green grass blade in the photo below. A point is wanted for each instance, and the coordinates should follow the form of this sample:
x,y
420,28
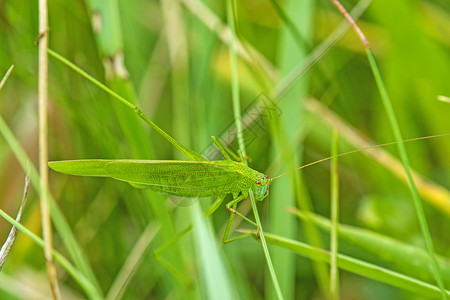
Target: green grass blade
x,y
86,283
61,224
400,145
170,59
334,248
214,273
401,256
131,264
266,249
112,39
231,6
290,25
359,267
404,157
291,52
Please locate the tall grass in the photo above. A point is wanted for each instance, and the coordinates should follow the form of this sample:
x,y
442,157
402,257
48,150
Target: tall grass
x,y
171,59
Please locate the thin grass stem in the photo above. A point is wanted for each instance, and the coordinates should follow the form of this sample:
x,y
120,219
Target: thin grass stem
x,y
43,147
406,165
231,5
85,283
334,248
58,218
401,148
4,251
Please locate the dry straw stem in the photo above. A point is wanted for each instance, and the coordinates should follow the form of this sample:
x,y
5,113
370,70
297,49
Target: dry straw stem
x,y
352,23
13,233
43,146
2,83
443,98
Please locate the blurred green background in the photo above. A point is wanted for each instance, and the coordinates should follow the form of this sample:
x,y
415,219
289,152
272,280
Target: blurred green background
x,y
171,58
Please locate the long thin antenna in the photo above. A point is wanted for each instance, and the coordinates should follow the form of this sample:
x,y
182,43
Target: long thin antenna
x,y
359,150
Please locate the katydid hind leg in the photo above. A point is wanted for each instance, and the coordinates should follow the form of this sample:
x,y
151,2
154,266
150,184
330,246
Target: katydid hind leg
x,y
216,204
225,238
166,264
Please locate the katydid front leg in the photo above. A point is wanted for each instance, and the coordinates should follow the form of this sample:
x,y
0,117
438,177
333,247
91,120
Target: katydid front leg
x,y
231,206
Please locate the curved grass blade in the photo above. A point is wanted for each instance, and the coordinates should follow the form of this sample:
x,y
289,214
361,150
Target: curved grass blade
x,y
395,127
357,266
231,7
404,257
89,286
61,224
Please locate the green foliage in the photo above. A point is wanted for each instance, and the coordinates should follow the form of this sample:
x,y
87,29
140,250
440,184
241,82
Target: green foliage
x,y
302,77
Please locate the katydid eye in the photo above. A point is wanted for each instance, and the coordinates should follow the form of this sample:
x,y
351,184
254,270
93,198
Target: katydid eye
x,y
267,177
258,182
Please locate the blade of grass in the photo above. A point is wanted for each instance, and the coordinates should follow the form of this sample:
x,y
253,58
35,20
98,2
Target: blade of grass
x,y
334,272
215,268
435,194
4,251
292,49
131,264
231,5
291,26
400,145
406,165
215,275
110,40
211,267
88,286
61,224
402,256
6,76
358,267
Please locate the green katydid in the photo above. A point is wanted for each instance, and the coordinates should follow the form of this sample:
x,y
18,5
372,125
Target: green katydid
x,y
188,178
175,177
179,178
236,178
97,167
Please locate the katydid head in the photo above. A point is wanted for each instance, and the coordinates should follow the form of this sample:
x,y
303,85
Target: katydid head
x,y
260,187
